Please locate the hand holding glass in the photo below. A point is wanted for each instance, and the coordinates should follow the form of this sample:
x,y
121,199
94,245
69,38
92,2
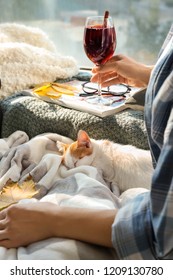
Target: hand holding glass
x,y
99,45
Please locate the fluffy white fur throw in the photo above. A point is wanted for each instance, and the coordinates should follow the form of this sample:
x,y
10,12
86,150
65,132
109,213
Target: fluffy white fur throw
x,y
28,57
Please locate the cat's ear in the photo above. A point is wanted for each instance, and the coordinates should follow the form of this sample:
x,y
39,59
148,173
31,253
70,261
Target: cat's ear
x,y
83,139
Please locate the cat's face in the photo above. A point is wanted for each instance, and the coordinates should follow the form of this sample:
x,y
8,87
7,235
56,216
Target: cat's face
x,y
77,153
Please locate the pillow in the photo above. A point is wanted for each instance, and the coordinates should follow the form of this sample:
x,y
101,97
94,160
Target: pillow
x,y
137,100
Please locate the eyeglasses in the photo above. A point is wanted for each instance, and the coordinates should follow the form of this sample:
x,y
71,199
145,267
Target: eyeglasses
x,y
115,90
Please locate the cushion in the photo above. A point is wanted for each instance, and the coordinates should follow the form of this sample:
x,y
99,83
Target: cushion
x,y
137,100
34,116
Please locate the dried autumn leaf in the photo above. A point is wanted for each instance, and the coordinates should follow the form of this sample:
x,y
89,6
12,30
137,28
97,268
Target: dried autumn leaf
x,y
55,90
49,94
13,192
65,86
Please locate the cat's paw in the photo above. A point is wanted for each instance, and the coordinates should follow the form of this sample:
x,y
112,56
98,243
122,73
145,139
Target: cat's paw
x,y
60,146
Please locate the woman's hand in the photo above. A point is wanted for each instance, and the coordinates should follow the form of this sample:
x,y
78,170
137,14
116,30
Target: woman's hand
x,y
22,224
122,69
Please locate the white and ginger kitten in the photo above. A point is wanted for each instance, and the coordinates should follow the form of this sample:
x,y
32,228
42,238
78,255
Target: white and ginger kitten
x,y
123,166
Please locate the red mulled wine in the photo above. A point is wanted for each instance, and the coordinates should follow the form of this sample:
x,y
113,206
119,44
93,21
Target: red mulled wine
x,y
99,43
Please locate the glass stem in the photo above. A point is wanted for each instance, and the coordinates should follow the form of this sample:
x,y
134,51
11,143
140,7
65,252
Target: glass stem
x,y
99,87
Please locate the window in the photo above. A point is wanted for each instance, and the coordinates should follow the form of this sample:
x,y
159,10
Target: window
x,y
141,25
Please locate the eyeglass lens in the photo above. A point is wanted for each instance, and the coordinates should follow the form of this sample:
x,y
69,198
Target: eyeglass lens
x,y
119,89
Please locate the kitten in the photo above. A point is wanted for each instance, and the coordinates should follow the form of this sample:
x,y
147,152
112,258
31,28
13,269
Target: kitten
x,y
124,166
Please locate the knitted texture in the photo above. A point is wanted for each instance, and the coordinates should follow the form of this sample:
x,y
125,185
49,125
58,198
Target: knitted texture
x,y
28,57
35,116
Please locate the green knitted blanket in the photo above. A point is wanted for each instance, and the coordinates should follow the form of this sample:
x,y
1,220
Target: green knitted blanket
x,y
35,116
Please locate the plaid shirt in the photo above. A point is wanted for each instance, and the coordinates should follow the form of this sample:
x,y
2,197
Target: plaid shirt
x,y
143,229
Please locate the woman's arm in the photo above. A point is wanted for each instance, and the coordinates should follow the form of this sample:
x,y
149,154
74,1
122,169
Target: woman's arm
x,y
22,224
122,69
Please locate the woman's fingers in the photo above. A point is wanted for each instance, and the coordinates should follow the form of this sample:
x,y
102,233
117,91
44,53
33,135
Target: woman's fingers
x,y
2,224
6,243
108,79
101,77
2,227
2,215
110,65
3,234
113,81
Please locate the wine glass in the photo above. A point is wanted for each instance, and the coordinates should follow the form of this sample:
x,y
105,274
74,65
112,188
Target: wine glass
x,y
99,44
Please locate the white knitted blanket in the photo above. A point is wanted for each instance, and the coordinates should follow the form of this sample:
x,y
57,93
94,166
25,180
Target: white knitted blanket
x,y
28,57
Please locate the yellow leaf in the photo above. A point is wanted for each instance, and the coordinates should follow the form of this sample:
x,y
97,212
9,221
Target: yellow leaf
x,y
12,192
63,85
55,90
49,94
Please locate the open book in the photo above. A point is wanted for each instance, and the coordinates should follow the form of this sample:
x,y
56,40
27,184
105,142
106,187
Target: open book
x,y
79,101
